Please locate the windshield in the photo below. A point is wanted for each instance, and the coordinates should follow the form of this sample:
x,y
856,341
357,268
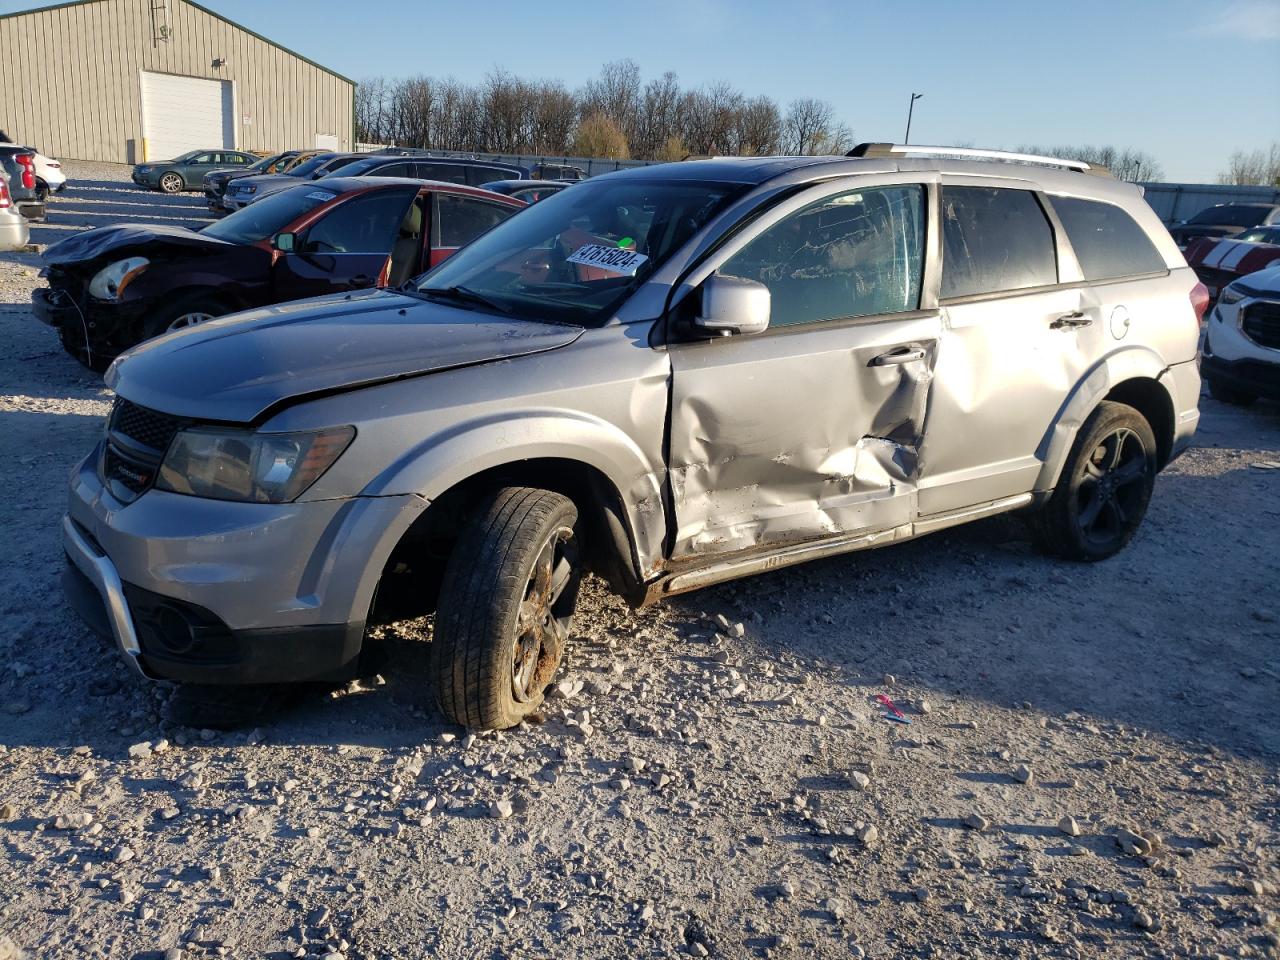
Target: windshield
x,y
357,167
309,167
1232,216
268,216
262,164
1262,235
575,256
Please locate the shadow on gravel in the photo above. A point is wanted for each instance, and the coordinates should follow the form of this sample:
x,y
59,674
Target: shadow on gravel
x,y
107,204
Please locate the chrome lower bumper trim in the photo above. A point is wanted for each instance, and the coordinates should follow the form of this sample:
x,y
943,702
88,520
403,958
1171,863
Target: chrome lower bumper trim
x,y
95,565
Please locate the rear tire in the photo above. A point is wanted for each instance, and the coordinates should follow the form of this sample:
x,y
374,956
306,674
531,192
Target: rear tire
x,y
505,606
1225,393
1104,489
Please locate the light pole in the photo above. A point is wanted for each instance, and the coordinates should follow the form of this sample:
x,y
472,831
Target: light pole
x,y
910,107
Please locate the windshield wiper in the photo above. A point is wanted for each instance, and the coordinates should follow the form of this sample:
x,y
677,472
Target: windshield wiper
x,y
464,295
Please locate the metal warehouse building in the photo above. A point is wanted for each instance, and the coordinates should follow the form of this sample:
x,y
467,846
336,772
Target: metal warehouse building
x,y
133,80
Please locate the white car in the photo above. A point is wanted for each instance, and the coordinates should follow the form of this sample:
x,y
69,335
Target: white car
x,y
14,232
1241,357
49,173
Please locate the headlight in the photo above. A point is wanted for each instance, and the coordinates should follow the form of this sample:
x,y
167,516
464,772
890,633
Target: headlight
x,y
250,467
109,282
1231,294
144,169
247,189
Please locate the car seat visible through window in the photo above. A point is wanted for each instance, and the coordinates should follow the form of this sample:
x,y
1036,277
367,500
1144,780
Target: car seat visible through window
x,y
408,246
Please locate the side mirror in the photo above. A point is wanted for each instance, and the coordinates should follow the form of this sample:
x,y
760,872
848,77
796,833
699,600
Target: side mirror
x,y
733,306
284,242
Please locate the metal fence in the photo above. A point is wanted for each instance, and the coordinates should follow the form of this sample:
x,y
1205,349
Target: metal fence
x,y
1171,201
1181,201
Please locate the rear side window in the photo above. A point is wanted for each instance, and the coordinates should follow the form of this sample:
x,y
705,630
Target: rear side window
x,y
1107,241
479,175
445,172
994,239
459,220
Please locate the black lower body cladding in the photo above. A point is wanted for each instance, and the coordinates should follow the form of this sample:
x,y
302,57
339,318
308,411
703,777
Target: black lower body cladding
x,y
181,641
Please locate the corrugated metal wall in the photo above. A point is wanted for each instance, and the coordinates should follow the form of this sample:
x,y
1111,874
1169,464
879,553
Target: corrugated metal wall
x,y
69,78
1181,201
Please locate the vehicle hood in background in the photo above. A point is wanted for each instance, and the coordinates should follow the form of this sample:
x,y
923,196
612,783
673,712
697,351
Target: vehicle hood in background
x,y
270,182
100,241
236,368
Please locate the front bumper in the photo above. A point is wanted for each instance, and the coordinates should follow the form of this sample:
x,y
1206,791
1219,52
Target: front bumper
x,y
215,592
103,327
1256,377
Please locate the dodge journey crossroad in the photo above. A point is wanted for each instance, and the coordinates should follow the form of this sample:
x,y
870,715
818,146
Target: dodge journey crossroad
x,y
669,376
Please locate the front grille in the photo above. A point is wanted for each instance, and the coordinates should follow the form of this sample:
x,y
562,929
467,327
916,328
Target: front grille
x,y
137,439
1260,322
146,427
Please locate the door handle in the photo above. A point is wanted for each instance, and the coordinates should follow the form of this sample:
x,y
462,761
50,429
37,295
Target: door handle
x,y
360,281
1070,320
901,355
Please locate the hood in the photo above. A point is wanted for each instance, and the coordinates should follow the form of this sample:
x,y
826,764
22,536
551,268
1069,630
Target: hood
x,y
237,368
1263,283
103,240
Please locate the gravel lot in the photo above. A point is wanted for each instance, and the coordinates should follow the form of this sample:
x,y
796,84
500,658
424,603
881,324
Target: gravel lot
x,y
1090,769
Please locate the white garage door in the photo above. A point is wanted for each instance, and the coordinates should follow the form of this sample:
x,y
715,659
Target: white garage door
x,y
185,113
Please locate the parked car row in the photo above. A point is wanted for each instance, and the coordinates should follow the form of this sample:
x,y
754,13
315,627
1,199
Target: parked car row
x,y
112,287
672,376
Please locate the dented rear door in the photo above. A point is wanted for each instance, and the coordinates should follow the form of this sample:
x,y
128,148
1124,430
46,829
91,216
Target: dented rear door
x,y
811,429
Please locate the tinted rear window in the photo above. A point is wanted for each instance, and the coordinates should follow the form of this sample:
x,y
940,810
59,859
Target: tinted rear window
x,y
1233,215
994,240
479,175
1107,241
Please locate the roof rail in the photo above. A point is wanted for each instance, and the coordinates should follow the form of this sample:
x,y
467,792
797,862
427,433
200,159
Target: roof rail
x,y
869,150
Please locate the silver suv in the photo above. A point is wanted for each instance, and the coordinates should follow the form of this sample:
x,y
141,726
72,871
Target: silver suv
x,y
671,376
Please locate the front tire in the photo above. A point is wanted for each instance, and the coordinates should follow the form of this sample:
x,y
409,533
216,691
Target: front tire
x,y
505,606
171,183
180,315
1105,487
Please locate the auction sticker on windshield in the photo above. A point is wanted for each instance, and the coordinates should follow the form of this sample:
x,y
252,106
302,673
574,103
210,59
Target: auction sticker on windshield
x,y
613,259
320,195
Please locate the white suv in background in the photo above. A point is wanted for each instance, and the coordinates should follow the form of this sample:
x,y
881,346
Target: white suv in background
x,y
1241,359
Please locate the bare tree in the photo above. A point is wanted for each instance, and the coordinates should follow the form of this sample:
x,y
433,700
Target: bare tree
x,y
1261,167
659,118
616,94
1126,163
807,126
759,127
655,120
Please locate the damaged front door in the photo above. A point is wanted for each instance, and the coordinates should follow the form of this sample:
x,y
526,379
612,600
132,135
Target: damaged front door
x,y
810,429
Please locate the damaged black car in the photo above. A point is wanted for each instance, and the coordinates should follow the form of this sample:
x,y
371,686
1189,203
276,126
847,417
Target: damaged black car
x,y
113,287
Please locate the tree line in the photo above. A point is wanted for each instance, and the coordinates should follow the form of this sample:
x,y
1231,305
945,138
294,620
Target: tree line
x,y
615,115
1259,167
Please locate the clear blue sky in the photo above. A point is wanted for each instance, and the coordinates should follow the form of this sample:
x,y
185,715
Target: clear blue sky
x,y
1185,80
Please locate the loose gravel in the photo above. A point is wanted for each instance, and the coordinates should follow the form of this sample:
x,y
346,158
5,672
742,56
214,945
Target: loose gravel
x,y
1089,770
